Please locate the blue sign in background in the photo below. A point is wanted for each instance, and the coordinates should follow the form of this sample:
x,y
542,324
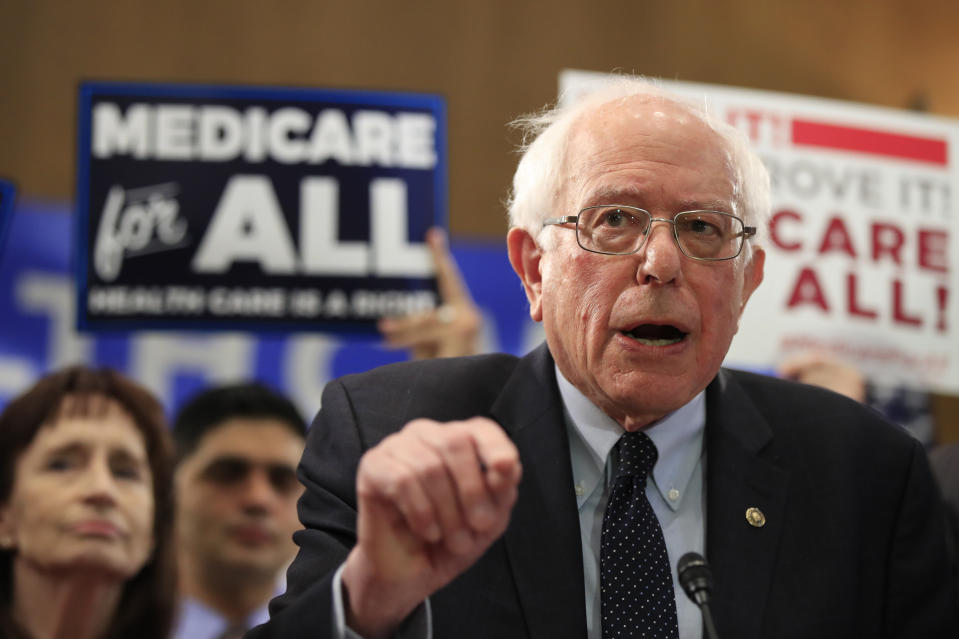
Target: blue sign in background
x,y
38,328
7,193
196,187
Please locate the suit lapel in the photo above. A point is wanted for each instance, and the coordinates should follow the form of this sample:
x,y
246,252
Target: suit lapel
x,y
543,542
742,473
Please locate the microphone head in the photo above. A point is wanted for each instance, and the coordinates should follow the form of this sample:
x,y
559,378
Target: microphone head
x,y
695,577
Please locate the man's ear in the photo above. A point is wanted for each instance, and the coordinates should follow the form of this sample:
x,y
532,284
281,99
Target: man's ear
x,y
752,275
525,255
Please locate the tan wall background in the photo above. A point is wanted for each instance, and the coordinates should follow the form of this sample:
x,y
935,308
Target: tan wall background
x,y
492,59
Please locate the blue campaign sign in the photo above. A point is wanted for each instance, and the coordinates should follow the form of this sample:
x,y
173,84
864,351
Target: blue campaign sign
x,y
37,333
7,193
265,208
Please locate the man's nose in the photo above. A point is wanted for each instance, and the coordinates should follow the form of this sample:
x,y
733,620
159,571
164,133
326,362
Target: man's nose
x,y
661,257
258,492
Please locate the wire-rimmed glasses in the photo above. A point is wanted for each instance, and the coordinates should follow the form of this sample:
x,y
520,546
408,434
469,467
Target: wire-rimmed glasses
x,y
618,229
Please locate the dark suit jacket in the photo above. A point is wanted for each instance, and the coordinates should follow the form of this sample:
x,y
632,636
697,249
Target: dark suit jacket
x,y
945,468
852,545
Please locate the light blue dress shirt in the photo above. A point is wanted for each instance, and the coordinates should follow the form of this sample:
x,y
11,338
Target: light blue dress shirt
x,y
675,490
197,621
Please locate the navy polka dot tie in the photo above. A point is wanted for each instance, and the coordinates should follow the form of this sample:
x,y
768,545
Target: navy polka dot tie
x,y
636,585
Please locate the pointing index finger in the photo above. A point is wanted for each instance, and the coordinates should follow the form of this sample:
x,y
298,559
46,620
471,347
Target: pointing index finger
x,y
452,289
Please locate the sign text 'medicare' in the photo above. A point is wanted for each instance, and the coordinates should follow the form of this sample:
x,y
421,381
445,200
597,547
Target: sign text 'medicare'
x,y
288,135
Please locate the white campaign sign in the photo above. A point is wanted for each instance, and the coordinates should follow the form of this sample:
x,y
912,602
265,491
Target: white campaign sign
x,y
861,248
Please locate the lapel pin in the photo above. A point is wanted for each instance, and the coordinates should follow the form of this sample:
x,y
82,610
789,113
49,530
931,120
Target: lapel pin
x,y
755,517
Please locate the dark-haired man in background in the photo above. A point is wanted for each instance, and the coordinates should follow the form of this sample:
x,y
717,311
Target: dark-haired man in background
x,y
236,488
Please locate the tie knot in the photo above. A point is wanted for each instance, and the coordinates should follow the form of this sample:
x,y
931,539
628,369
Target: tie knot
x,y
637,455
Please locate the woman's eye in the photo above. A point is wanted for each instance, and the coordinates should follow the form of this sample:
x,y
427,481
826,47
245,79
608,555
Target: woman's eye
x,y
59,464
126,471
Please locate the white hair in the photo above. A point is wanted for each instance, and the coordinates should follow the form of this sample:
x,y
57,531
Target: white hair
x,y
541,172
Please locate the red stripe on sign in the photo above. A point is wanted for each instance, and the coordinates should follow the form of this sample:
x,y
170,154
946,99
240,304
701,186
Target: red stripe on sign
x,y
847,138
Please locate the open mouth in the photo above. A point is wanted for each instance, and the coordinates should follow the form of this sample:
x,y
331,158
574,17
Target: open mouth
x,y
656,334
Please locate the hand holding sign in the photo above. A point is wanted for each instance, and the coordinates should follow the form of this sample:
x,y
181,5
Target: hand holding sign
x,y
821,368
449,330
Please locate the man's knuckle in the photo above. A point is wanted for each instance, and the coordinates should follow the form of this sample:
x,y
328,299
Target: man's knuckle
x,y
432,470
457,442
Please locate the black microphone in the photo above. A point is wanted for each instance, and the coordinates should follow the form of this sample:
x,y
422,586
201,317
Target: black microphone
x,y
697,580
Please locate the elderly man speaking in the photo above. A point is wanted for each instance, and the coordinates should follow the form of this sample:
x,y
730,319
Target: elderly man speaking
x,y
550,496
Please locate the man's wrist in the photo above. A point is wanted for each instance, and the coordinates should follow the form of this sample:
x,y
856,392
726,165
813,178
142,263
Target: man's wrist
x,y
418,625
373,609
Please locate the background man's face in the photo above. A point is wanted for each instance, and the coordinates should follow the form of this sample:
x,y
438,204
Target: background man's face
x,y
236,498
606,316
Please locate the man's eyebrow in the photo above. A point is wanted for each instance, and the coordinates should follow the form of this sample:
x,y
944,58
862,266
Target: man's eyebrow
x,y
616,195
705,205
634,196
229,459
242,459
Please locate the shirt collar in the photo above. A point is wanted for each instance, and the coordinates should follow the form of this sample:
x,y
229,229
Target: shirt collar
x,y
196,620
678,437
